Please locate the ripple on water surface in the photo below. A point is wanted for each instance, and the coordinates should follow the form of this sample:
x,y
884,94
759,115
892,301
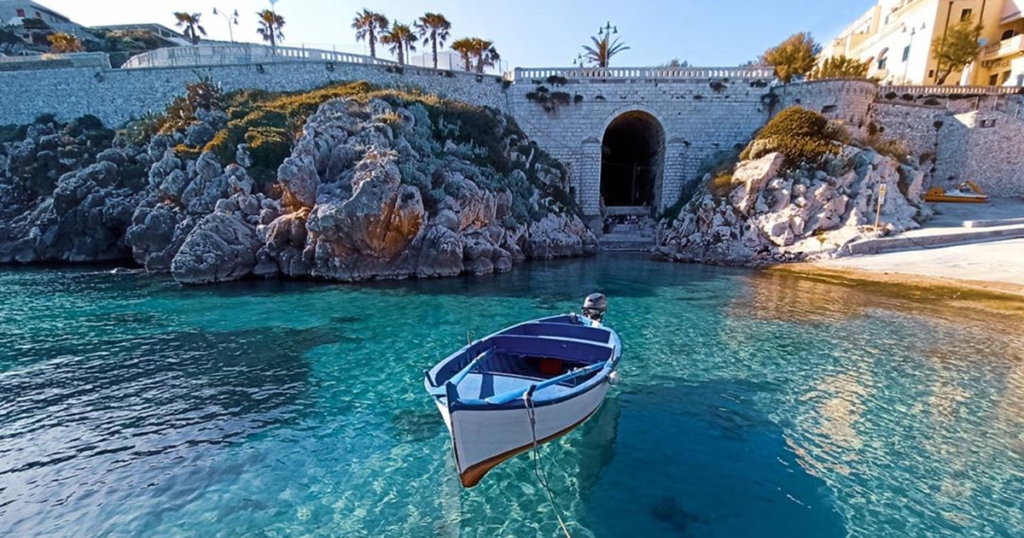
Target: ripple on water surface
x,y
751,405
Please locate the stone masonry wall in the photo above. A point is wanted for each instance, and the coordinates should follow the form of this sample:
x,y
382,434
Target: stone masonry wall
x,y
117,95
845,101
916,125
986,147
699,119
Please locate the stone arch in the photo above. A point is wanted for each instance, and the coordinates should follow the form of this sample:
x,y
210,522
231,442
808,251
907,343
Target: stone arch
x,y
633,143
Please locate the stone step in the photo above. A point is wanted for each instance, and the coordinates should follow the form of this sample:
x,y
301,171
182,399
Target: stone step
x,y
934,238
635,246
992,223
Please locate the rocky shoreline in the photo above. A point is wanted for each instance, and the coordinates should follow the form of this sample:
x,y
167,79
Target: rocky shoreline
x,y
775,207
379,186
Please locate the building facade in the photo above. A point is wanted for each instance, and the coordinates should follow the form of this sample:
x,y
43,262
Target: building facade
x,y
897,38
14,12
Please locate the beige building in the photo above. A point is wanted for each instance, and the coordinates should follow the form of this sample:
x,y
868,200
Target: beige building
x,y
896,37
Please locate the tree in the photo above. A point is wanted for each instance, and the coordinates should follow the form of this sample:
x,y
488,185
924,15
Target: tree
x,y
477,54
433,28
370,25
270,25
676,62
793,58
486,55
957,50
64,43
402,41
840,67
465,48
603,50
191,24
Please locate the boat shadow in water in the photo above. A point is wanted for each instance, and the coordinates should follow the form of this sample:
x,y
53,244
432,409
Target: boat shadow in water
x,y
697,459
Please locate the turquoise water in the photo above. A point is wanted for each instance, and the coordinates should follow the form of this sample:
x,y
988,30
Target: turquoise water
x,y
751,405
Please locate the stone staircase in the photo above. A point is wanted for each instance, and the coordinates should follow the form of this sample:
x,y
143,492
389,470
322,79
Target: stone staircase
x,y
628,233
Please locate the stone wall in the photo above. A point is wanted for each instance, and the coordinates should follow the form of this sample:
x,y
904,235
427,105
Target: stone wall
x,y
986,147
916,125
117,95
845,101
699,119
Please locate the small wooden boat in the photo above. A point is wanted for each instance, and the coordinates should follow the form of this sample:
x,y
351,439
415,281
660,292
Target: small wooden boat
x,y
522,386
967,192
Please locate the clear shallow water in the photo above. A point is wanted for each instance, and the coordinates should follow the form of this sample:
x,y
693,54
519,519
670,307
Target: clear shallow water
x,y
752,405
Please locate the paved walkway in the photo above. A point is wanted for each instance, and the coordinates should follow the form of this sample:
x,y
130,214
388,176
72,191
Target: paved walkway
x,y
996,262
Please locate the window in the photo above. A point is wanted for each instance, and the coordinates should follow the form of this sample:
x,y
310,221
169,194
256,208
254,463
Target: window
x,y
21,12
1005,78
965,15
1020,80
881,63
931,73
39,15
1007,35
993,80
906,53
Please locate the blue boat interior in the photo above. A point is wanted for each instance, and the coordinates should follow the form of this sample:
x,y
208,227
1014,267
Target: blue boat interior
x,y
524,355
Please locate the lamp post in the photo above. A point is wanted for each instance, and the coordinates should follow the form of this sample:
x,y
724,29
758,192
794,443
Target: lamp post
x,y
232,21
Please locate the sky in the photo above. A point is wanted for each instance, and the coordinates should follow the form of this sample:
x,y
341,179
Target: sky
x,y
527,33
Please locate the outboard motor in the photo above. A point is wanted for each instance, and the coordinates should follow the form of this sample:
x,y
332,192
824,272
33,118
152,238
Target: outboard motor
x,y
594,307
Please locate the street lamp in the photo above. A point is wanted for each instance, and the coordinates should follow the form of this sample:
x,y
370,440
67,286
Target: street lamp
x,y
232,21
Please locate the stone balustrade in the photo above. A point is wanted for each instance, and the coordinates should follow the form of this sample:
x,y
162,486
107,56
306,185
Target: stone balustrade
x,y
681,73
242,54
949,90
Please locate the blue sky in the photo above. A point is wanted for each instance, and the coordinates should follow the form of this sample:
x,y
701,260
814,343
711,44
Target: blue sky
x,y
527,33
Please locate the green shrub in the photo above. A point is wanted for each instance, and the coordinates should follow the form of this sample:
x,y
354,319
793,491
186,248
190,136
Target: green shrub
x,y
897,149
803,136
140,131
268,146
186,152
720,186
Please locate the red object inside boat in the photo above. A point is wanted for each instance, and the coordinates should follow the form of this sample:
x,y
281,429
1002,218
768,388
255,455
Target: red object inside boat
x,y
550,367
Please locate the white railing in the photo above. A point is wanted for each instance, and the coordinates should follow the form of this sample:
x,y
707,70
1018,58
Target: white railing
x,y
242,54
1004,48
76,59
949,90
686,73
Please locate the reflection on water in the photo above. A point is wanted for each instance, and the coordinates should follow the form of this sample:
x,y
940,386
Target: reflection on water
x,y
752,404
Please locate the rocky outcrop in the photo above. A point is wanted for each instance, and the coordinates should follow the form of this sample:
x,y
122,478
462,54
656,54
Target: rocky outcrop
x,y
355,189
766,215
371,190
66,195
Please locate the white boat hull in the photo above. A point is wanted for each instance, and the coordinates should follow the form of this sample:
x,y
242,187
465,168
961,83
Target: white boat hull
x,y
482,439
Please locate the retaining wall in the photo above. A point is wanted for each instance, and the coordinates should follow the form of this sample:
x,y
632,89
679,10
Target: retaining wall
x,y
118,95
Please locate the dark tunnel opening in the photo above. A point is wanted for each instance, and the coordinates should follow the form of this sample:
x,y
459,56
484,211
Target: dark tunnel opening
x,y
632,153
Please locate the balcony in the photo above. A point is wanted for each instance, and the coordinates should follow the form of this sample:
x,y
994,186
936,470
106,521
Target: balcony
x,y
1006,47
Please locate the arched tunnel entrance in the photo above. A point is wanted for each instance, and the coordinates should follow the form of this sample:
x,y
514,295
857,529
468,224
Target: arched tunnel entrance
x,y
632,158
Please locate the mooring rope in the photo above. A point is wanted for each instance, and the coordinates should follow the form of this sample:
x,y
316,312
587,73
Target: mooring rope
x,y
541,475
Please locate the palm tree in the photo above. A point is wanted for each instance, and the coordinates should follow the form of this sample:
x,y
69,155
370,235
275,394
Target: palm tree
x,y
401,39
603,49
191,24
486,55
465,48
433,28
270,25
480,50
63,43
369,25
